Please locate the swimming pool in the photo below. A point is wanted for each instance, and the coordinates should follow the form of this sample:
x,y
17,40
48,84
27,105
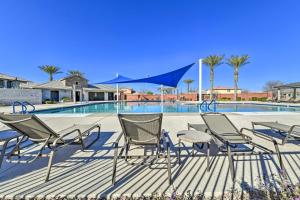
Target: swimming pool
x,y
168,107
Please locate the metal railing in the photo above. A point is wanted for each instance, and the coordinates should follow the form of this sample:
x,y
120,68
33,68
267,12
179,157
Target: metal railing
x,y
26,103
214,104
23,105
205,104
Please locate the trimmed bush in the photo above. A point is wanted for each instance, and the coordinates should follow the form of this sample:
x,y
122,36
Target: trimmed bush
x,y
254,99
65,99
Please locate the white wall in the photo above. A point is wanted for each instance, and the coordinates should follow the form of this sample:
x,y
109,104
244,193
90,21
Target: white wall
x,y
8,96
65,93
46,94
62,93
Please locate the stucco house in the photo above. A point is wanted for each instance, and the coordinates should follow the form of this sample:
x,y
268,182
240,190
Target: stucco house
x,y
223,90
7,81
76,88
11,90
288,92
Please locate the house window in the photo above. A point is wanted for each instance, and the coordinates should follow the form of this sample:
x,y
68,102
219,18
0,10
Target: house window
x,y
228,90
9,84
1,83
76,83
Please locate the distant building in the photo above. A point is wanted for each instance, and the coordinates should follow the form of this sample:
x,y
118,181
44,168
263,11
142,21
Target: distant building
x,y
11,90
7,81
127,90
223,90
288,92
75,88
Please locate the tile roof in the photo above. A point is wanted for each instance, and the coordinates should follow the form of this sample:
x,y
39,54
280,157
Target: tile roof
x,y
290,85
8,77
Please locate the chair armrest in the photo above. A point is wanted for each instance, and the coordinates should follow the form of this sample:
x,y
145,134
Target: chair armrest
x,y
116,143
294,127
260,133
66,134
247,129
217,136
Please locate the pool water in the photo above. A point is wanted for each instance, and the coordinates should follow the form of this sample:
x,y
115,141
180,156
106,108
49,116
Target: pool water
x,y
169,107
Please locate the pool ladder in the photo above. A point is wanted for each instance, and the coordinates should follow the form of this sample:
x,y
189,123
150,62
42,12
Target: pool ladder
x,y
208,107
24,105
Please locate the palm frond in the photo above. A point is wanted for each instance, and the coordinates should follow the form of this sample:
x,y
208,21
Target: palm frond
x,y
238,61
213,60
75,72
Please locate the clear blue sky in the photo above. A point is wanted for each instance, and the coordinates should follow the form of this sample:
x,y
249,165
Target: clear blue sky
x,y
141,38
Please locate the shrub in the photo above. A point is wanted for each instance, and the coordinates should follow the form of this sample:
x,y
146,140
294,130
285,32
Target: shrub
x,y
65,99
262,99
254,98
224,99
238,98
50,102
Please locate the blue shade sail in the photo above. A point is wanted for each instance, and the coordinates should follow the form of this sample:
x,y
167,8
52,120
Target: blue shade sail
x,y
170,79
118,79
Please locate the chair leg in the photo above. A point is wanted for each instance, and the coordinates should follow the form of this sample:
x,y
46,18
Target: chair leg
x,y
231,167
193,151
278,154
97,138
169,166
3,152
52,154
82,143
179,151
208,154
115,166
126,151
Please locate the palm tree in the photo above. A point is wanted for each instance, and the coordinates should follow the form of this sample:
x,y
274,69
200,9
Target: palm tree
x,y
212,62
75,72
237,62
51,70
188,82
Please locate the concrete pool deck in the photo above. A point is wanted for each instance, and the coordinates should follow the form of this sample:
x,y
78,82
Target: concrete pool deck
x,y
87,174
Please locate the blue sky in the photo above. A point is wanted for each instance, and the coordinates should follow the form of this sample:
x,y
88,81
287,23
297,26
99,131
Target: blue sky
x,y
141,38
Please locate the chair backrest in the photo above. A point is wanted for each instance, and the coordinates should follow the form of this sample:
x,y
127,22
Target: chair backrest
x,y
219,123
141,128
28,125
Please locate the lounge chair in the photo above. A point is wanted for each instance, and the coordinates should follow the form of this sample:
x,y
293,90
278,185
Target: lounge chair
x,y
142,130
31,127
230,139
289,133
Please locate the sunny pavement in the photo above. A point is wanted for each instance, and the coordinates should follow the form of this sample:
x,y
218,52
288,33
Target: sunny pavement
x,y
78,174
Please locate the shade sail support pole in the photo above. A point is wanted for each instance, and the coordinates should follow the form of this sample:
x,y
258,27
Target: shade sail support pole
x,y
200,83
161,98
117,96
200,80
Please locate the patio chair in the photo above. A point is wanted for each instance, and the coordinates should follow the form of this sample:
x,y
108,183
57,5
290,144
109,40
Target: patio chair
x,y
35,130
231,139
289,133
143,130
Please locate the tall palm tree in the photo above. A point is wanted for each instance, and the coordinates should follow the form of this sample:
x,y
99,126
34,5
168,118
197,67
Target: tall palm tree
x,y
188,82
75,72
50,70
212,62
237,62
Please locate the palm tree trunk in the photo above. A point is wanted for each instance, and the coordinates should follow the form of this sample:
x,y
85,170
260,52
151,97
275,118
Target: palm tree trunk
x,y
51,77
188,88
236,76
211,82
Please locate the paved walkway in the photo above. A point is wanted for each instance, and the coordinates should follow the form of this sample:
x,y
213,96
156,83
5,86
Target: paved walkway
x,y
78,174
